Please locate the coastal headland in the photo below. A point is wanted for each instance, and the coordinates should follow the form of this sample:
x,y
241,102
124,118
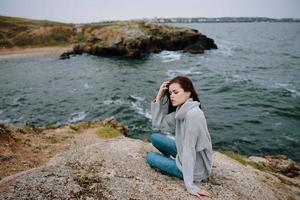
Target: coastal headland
x,y
130,39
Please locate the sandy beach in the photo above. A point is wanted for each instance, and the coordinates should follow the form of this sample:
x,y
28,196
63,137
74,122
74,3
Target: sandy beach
x,y
17,52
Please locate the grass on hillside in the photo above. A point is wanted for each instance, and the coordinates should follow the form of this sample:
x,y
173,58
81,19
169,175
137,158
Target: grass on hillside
x,y
107,132
243,160
34,33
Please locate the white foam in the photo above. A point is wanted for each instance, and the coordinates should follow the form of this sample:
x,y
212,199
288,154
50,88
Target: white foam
x,y
77,116
169,56
17,101
1,111
137,98
225,48
234,78
277,124
196,73
86,85
174,72
139,109
289,138
118,102
287,87
295,92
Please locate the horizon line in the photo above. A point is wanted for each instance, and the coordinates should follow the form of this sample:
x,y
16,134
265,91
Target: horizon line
x,y
103,20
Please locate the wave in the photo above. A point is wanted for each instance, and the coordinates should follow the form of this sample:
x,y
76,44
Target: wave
x,y
118,102
137,106
295,57
243,140
294,92
291,55
253,121
197,73
135,102
18,101
86,85
1,111
234,78
77,116
169,56
222,89
139,109
288,88
136,98
290,113
73,90
289,138
175,72
226,48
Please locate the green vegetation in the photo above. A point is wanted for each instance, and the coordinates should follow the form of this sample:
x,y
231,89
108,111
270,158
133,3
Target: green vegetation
x,y
243,160
100,25
50,126
27,129
34,33
156,33
107,132
147,30
80,37
51,139
73,127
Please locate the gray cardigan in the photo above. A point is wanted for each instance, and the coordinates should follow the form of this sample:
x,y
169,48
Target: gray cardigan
x,y
193,142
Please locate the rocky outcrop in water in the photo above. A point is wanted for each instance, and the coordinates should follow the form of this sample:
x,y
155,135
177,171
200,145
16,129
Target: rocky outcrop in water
x,y
135,38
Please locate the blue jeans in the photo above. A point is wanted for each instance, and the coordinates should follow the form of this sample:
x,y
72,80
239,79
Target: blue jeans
x,y
163,162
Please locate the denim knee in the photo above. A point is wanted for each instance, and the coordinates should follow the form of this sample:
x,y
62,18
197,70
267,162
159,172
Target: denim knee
x,y
166,165
150,158
155,137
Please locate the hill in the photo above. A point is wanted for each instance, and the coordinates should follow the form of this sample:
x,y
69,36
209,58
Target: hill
x,y
22,32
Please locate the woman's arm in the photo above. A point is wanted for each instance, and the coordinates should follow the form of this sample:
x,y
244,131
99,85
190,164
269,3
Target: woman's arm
x,y
160,120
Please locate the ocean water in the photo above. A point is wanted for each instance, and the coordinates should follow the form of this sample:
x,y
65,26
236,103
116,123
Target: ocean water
x,y
249,87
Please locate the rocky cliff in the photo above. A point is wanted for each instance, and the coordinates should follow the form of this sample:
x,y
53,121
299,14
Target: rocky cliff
x,y
96,167
132,39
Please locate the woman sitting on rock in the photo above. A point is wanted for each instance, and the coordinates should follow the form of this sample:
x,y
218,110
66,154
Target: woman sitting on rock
x,y
189,156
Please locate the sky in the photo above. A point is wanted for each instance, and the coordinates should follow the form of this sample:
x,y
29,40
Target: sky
x,y
85,11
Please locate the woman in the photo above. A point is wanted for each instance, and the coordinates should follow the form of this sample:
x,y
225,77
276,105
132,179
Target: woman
x,y
192,147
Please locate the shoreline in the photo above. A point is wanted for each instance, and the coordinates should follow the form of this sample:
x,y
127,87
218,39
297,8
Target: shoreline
x,y
17,51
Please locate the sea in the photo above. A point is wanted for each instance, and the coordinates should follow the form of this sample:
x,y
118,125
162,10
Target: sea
x,y
249,87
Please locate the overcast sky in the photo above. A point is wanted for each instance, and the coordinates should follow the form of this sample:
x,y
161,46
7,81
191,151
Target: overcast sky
x,y
78,11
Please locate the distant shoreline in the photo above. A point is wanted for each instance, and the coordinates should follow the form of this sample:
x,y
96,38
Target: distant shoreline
x,y
224,20
17,51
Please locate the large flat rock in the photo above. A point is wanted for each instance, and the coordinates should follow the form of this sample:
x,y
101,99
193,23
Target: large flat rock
x,y
95,168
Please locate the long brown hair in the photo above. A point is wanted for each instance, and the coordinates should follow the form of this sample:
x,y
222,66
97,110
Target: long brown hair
x,y
187,85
